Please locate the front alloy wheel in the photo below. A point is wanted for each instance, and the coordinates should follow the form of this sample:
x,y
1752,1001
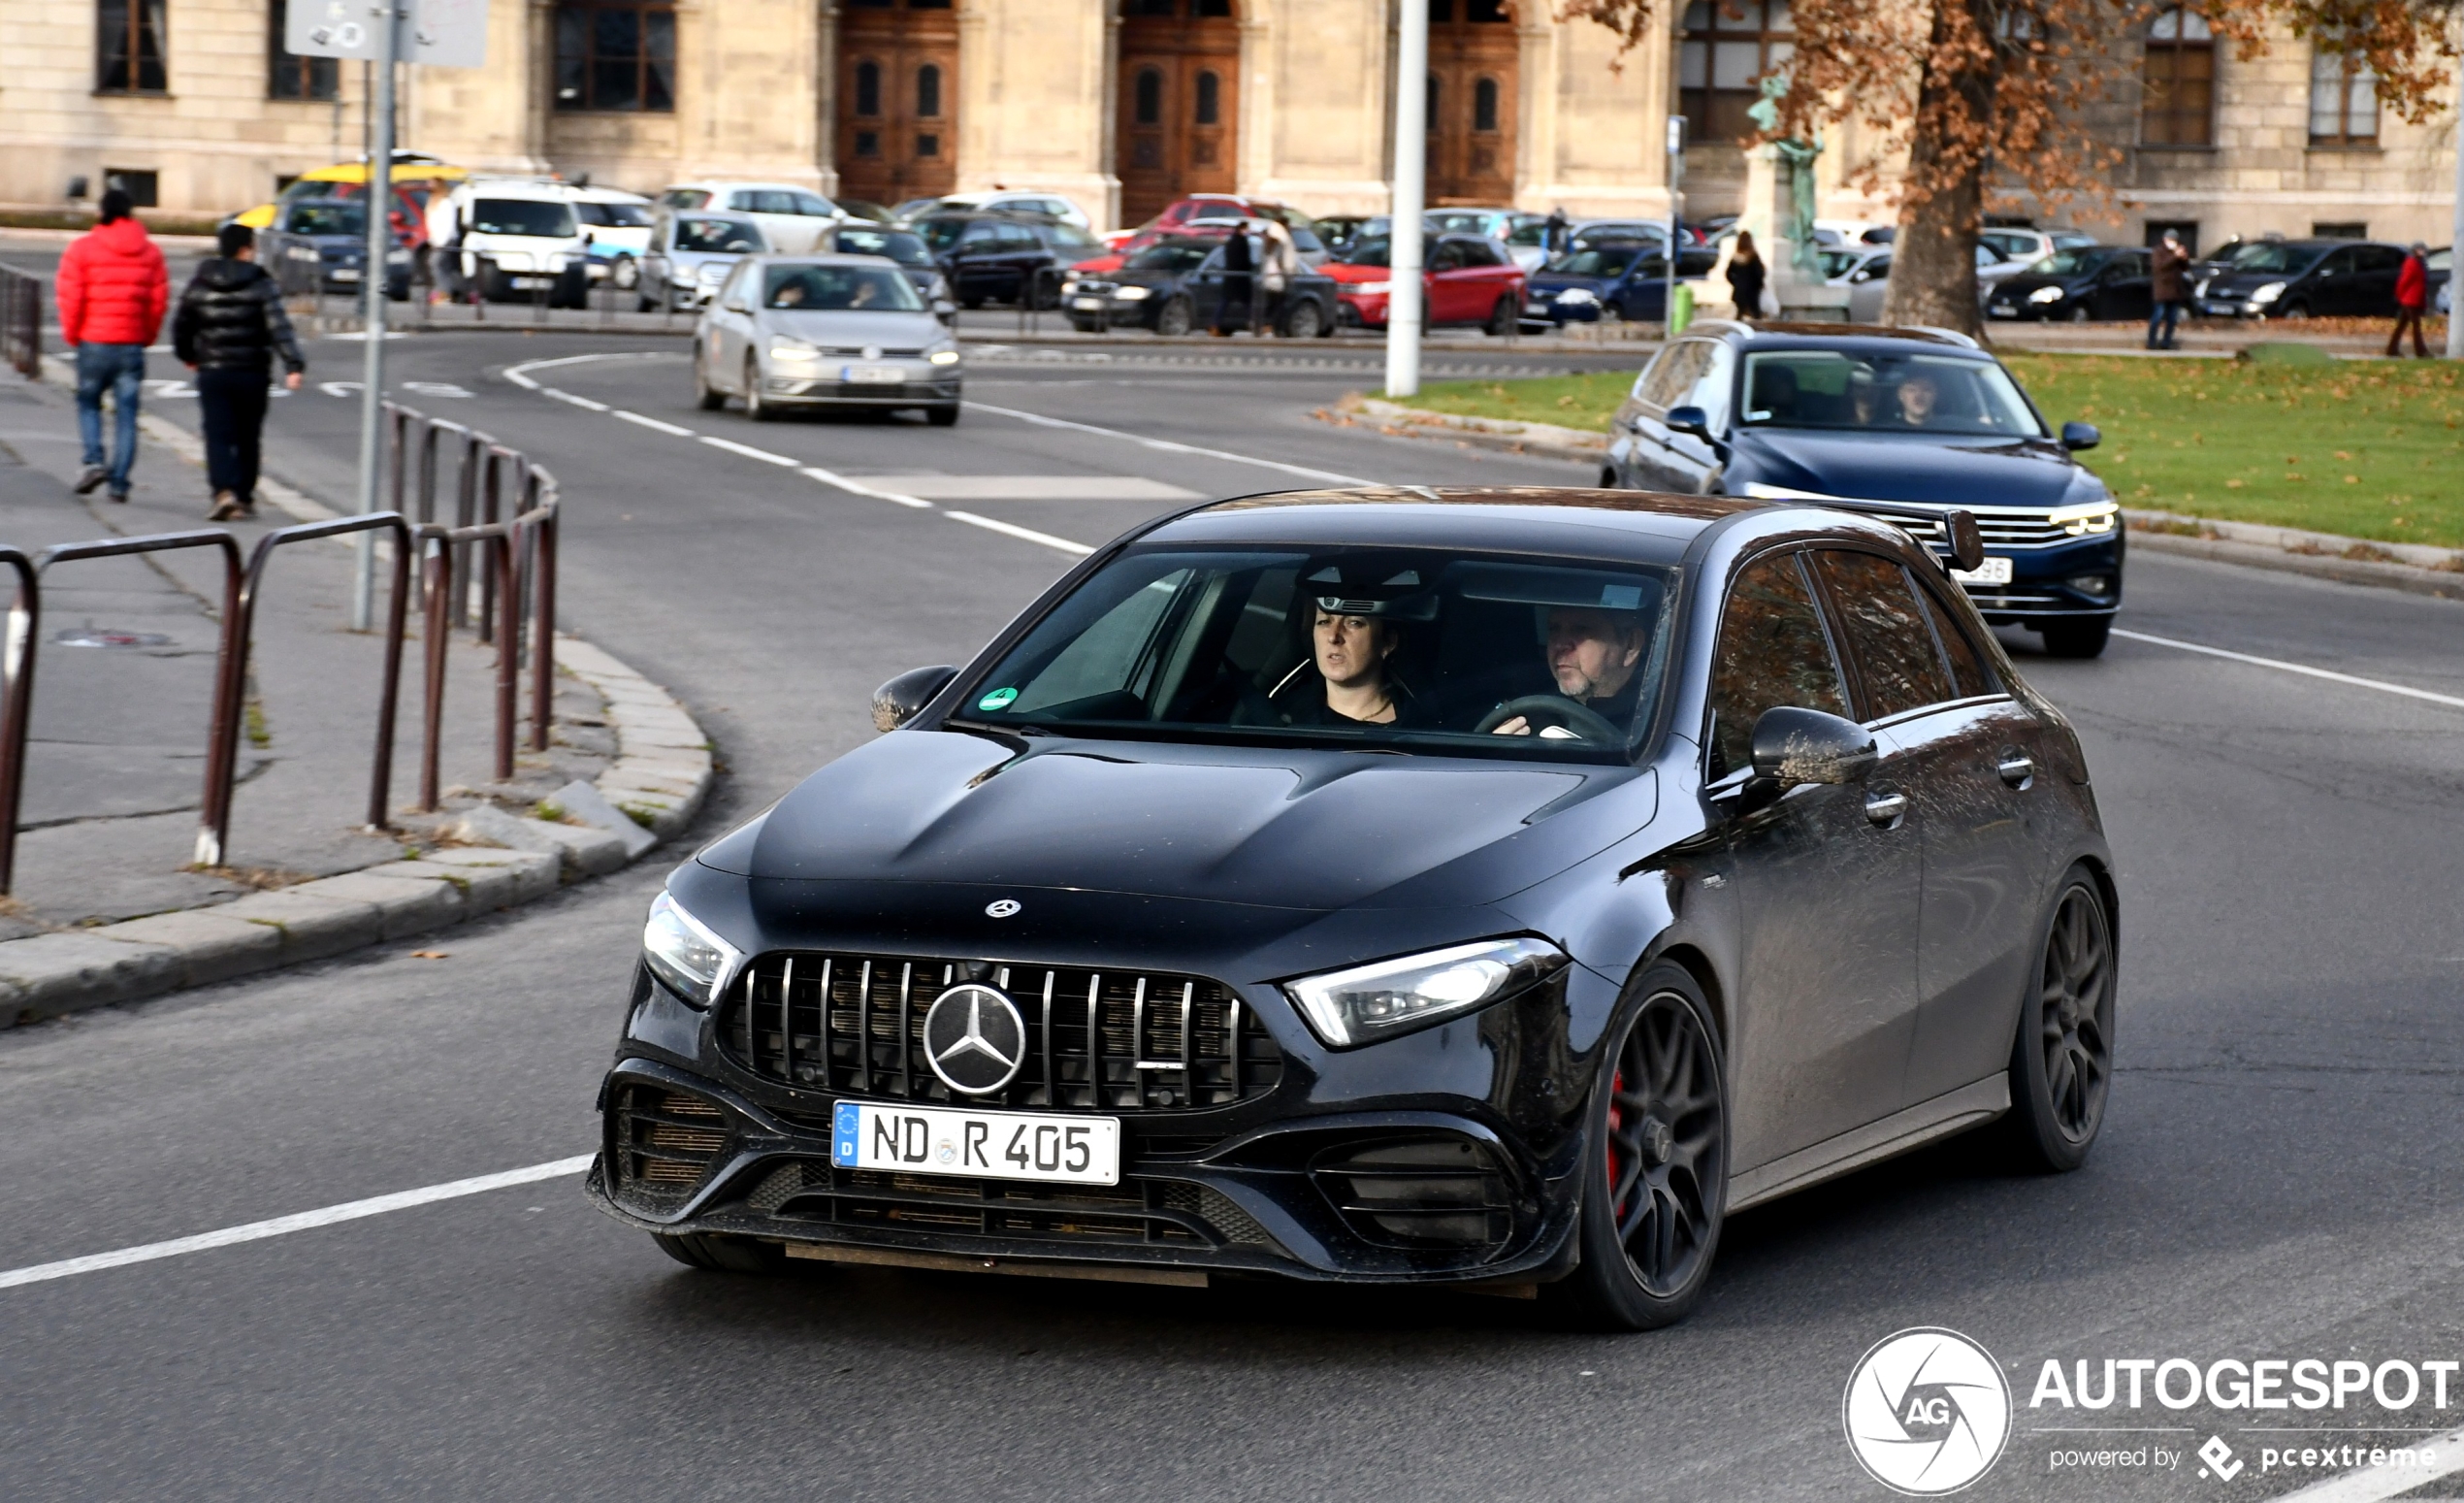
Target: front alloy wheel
x,y
2062,1063
755,407
1656,1180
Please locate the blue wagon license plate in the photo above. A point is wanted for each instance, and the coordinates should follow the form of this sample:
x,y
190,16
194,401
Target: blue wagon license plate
x,y
981,1145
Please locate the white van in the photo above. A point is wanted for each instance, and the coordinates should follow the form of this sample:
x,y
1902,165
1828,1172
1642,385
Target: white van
x,y
516,238
617,224
793,219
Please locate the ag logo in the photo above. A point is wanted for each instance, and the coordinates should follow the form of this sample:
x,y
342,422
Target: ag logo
x,y
1926,1412
974,1039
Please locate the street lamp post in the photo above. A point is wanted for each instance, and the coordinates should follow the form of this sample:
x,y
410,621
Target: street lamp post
x,y
371,288
2455,232
1669,264
1412,159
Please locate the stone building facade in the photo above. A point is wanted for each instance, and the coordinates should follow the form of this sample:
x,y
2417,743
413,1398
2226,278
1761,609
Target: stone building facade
x,y
1119,104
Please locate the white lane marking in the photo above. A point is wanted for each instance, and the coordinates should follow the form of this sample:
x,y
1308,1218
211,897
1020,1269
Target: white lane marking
x,y
653,423
748,451
520,375
2304,669
2375,1484
1029,534
584,403
859,488
281,1226
1033,487
1170,447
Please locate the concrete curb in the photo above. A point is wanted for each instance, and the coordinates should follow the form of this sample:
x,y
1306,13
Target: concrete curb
x,y
1541,440
659,779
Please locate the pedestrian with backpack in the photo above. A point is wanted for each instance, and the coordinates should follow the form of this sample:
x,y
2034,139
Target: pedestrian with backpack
x,y
111,290
229,329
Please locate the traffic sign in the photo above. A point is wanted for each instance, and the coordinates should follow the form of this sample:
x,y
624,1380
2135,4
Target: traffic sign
x,y
435,33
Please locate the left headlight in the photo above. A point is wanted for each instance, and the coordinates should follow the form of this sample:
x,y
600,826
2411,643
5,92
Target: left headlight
x,y
2046,295
1369,1002
2269,293
1579,295
683,953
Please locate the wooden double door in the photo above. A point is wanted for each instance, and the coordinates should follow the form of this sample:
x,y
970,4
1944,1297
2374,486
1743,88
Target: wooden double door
x,y
897,99
1175,125
1474,61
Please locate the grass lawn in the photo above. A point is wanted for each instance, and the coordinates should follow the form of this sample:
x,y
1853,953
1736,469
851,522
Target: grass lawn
x,y
2360,449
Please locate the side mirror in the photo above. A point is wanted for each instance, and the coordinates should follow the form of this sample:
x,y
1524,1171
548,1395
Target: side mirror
x,y
1793,746
1967,543
896,701
1689,419
2079,435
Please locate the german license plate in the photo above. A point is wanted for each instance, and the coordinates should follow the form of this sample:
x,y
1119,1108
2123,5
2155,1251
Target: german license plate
x,y
1090,305
346,273
2002,310
1993,570
872,376
981,1145
534,282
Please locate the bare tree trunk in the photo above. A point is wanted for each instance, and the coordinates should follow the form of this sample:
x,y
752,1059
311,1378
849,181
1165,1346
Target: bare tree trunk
x,y
1933,260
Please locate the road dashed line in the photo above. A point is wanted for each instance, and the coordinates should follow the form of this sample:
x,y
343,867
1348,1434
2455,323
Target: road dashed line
x,y
748,451
2303,668
1012,530
652,423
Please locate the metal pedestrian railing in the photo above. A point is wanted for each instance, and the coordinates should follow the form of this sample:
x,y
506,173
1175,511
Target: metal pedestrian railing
x,y
513,557
22,321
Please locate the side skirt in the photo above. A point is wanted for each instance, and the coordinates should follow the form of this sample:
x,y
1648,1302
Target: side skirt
x,y
1954,1111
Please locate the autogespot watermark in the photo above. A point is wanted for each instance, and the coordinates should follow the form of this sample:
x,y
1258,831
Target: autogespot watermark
x,y
1927,1411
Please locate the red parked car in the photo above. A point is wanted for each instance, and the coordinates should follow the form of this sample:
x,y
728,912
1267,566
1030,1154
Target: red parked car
x,y
1465,279
1200,214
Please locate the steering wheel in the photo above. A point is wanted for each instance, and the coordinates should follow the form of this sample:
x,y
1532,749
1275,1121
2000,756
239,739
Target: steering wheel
x,y
1555,709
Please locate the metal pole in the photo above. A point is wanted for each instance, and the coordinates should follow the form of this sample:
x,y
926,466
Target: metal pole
x,y
1676,175
2455,236
371,291
1411,162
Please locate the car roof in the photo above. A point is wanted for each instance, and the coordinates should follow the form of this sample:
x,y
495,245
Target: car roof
x,y
819,258
1875,337
1631,526
607,196
713,184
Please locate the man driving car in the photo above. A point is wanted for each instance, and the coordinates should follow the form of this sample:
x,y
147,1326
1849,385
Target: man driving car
x,y
1592,653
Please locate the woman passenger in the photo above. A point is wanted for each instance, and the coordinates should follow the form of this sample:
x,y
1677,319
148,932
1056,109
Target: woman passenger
x,y
1344,680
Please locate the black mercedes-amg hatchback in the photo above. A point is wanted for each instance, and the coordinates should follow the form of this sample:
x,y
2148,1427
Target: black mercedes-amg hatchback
x,y
1421,886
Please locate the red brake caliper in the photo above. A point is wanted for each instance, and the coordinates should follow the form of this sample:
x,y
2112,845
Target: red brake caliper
x,y
1616,1119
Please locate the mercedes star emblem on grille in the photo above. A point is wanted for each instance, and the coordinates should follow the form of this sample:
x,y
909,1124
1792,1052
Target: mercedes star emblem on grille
x,y
974,1039
1002,907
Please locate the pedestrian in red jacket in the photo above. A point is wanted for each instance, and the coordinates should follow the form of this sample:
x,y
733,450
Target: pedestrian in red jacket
x,y
113,289
2411,296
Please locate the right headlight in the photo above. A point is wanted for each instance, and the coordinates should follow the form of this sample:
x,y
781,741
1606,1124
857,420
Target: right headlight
x,y
683,953
1381,999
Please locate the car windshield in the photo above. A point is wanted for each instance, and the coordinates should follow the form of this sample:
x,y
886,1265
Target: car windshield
x,y
1407,649
1837,263
1531,232
1172,255
2078,261
617,216
939,235
897,245
1885,393
326,219
1366,252
2272,255
718,237
1596,261
839,289
1069,236
522,216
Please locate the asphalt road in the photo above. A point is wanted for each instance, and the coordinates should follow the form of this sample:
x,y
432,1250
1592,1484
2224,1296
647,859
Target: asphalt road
x,y
2277,1178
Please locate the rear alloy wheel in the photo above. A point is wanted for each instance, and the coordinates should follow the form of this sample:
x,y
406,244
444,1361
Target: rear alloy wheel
x,y
714,1253
2080,639
1504,319
1171,320
1655,1178
2079,313
1304,321
2298,312
755,407
705,396
625,274
2062,1063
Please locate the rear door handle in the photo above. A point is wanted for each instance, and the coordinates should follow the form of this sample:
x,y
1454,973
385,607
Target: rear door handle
x,y
1884,809
2017,769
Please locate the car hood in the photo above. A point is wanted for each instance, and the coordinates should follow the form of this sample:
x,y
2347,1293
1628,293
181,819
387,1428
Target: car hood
x,y
1143,278
1345,271
844,327
2228,284
1932,468
1559,281
2026,282
1276,827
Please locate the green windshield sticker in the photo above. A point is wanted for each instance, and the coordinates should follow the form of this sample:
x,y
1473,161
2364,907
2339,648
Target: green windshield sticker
x,y
998,698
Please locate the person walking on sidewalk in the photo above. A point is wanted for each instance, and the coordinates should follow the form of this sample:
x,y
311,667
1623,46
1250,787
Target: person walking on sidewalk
x,y
1747,278
111,290
2168,277
2411,297
229,328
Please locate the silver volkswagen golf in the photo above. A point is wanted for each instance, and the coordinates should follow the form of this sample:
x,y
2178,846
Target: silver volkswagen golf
x,y
825,331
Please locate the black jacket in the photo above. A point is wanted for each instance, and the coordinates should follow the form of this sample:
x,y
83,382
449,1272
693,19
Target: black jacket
x,y
231,318
1746,279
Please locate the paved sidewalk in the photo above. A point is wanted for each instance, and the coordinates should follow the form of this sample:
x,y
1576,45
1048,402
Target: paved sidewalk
x,y
122,701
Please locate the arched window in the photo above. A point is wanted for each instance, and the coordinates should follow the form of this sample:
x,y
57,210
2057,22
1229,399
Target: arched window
x,y
1484,105
868,88
1149,106
1210,99
2178,83
929,91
